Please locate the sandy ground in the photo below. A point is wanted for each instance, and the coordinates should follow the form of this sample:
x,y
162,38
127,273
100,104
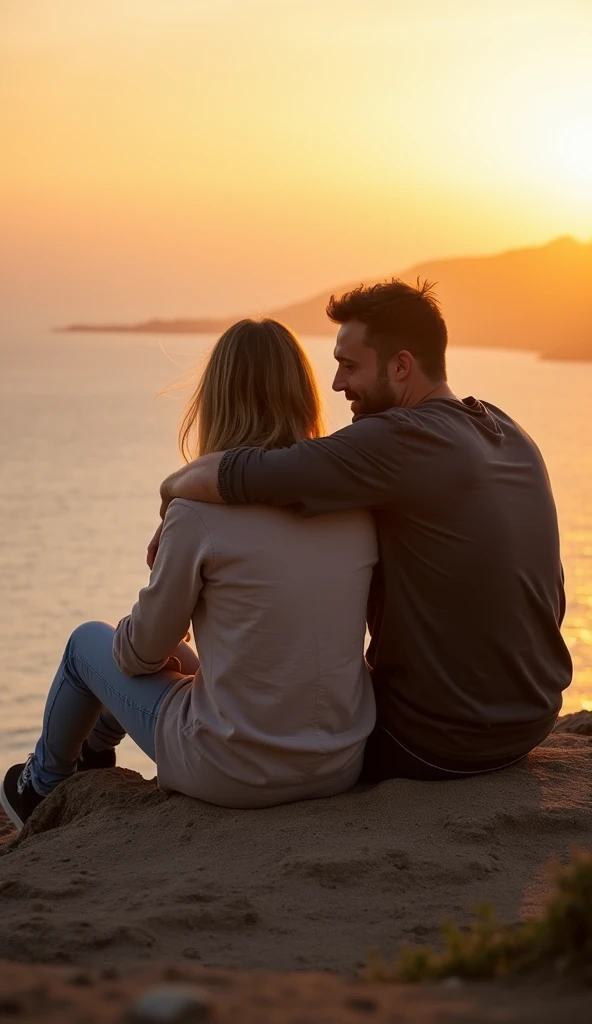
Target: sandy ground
x,y
109,871
62,996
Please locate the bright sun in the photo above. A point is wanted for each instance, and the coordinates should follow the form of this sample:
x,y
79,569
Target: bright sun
x,y
564,146
574,149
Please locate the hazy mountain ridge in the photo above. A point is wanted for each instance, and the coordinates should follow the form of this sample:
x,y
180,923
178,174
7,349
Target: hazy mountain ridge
x,y
539,299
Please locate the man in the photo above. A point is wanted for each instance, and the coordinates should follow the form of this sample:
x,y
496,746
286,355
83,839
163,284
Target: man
x,y
466,654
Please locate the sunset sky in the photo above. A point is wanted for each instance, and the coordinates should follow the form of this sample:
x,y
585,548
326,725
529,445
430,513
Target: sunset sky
x,y
173,157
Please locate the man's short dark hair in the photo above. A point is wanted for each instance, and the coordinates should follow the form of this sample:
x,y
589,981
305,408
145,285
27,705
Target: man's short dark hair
x,y
398,316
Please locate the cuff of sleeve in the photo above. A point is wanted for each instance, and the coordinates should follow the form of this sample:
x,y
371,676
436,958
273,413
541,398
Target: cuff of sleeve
x,y
224,476
125,656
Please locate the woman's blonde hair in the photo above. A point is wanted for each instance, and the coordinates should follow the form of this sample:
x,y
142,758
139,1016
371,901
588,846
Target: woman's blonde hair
x,y
258,388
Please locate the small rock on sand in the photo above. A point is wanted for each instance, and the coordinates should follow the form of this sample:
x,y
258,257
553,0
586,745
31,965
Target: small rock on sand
x,y
171,1004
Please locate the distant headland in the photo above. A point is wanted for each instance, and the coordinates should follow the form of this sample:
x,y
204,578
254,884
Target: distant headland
x,y
535,299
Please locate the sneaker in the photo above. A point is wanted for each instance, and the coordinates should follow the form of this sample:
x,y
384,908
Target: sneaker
x,y
17,795
90,758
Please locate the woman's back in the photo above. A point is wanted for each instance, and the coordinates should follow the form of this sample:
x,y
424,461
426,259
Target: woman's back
x,y
282,704
283,695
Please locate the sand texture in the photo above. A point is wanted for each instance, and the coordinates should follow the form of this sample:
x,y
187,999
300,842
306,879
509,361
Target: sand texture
x,y
65,996
109,870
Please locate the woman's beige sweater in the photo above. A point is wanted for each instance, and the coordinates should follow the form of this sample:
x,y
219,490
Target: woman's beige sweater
x,y
282,697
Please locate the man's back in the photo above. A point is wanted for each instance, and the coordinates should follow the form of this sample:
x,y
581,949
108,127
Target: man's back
x,y
467,657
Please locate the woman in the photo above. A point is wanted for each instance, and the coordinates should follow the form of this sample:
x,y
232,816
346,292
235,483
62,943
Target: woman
x,y
280,703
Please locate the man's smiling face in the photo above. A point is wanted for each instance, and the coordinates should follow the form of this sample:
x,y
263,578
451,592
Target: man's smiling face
x,y
359,374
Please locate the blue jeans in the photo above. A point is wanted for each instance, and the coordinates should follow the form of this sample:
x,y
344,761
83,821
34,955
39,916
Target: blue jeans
x,y
90,698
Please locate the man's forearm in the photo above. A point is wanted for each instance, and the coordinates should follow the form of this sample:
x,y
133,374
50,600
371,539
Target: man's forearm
x,y
357,467
197,481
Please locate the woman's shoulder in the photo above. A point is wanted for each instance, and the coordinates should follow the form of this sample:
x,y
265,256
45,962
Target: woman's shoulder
x,y
238,534
272,521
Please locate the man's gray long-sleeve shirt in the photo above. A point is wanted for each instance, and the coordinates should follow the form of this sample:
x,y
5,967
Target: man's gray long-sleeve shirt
x,y
466,655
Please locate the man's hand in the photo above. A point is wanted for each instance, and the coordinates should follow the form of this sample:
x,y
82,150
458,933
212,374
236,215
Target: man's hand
x,y
197,481
153,548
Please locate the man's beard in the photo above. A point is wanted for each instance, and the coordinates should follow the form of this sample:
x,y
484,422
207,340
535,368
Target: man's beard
x,y
379,399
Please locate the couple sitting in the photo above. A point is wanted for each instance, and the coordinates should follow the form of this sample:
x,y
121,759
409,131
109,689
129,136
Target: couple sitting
x,y
430,515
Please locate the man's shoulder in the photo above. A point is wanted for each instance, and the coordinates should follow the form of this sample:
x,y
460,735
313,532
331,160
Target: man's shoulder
x,y
507,423
453,421
446,411
390,419
459,412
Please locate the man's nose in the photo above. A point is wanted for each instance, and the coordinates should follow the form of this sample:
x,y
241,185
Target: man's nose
x,y
338,384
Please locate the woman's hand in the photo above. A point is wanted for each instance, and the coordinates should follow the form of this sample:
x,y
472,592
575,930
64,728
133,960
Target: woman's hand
x,y
153,547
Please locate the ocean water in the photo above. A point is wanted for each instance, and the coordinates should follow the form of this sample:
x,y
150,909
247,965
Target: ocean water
x,y
85,441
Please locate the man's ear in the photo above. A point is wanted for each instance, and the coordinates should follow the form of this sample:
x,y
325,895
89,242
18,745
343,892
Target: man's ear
x,y
403,364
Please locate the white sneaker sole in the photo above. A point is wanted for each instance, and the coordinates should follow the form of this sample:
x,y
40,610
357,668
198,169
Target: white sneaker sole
x,y
10,811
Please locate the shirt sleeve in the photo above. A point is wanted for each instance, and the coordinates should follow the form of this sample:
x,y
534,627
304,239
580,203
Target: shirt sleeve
x,y
146,638
357,467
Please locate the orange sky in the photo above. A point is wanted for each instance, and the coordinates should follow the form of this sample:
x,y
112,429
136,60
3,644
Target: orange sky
x,y
200,156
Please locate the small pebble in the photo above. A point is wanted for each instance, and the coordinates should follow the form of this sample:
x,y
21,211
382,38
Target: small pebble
x,y
191,953
173,1004
452,982
109,972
